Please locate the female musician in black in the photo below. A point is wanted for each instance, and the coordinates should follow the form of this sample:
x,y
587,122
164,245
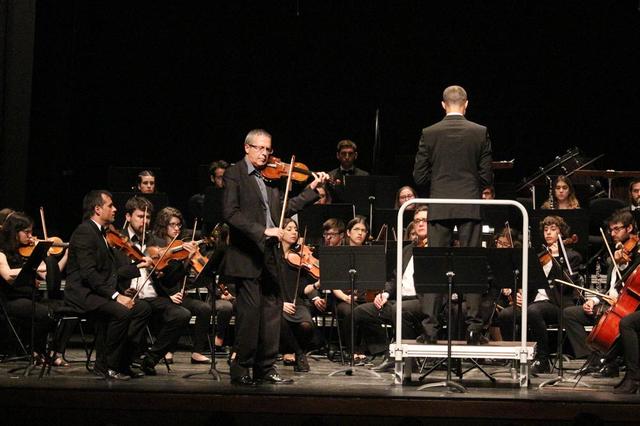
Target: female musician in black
x,y
296,329
16,232
545,302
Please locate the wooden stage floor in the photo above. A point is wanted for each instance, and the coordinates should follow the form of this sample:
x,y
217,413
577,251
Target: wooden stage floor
x,y
72,395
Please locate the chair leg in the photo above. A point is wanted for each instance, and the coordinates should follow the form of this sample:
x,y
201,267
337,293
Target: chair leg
x,y
164,358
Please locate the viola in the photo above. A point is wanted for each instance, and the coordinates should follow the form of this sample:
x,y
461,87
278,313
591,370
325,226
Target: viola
x,y
120,241
56,248
302,256
276,169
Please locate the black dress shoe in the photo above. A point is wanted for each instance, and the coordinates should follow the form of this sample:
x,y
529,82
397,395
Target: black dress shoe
x,y
147,365
274,379
476,338
386,366
301,364
607,371
132,373
540,366
628,386
114,375
245,380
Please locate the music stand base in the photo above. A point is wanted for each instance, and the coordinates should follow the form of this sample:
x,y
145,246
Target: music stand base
x,y
558,381
350,371
217,376
452,386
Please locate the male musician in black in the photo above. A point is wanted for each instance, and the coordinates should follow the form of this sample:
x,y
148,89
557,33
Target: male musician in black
x,y
252,208
160,293
347,154
92,281
454,157
621,227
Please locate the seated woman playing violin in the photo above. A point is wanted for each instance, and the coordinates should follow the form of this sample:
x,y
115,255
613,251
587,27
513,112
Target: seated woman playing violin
x,y
546,302
168,228
297,282
16,234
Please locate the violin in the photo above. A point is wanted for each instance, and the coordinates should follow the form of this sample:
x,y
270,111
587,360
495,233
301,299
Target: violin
x,y
627,247
56,248
276,169
545,257
198,261
224,290
117,240
302,256
176,251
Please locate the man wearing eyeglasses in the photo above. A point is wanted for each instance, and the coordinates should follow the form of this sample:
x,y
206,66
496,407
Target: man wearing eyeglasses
x,y
621,228
252,208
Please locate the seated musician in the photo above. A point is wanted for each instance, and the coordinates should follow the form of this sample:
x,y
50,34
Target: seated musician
x,y
333,232
634,199
16,233
545,306
325,196
157,292
212,202
488,193
296,329
410,233
621,227
405,194
146,182
347,154
369,317
357,230
168,226
92,286
563,195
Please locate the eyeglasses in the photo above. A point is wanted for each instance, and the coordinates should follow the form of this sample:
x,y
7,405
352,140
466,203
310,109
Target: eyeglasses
x,y
616,228
261,148
331,234
175,225
419,220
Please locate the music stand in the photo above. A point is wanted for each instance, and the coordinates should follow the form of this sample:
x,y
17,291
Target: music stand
x,y
437,266
206,278
312,217
367,192
505,267
27,277
351,268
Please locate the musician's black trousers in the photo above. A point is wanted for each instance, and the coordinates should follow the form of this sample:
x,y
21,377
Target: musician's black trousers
x,y
629,329
574,321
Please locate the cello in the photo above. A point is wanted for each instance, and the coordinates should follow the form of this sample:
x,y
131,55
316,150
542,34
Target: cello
x,y
606,332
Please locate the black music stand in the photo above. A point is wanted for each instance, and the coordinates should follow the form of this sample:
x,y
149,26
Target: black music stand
x,y
27,277
351,268
367,192
506,265
436,267
207,278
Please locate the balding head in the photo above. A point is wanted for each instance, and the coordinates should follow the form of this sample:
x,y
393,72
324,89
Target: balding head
x,y
454,99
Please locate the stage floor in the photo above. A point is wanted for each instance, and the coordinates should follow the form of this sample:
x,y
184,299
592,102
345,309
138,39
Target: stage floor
x,y
72,395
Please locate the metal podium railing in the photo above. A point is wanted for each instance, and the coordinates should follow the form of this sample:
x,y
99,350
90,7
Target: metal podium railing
x,y
523,352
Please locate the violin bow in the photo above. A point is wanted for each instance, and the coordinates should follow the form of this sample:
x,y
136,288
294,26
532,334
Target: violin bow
x,y
506,224
44,226
613,260
139,286
193,238
286,193
144,227
304,238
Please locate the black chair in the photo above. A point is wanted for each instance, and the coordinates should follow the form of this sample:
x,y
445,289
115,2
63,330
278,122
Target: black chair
x,y
13,331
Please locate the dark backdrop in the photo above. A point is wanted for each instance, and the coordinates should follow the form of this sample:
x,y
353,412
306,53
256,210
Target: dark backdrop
x,y
176,84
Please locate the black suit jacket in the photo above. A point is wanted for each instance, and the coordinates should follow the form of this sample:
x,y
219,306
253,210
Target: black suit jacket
x,y
243,209
92,270
454,156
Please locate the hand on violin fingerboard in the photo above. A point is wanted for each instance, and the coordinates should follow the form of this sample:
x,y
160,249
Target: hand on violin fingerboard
x,y
318,178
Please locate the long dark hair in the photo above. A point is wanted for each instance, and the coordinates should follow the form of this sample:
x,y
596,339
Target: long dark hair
x,y
14,223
